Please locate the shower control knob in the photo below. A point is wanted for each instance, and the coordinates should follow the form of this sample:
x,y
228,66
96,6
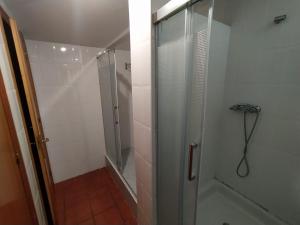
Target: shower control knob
x,y
117,122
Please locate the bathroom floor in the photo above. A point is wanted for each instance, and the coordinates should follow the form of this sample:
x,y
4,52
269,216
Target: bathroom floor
x,y
93,198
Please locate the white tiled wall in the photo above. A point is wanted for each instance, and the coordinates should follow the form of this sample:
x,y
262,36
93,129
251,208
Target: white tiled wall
x,y
20,128
141,69
263,68
68,94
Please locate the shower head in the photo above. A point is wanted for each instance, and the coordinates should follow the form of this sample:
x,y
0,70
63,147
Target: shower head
x,y
246,108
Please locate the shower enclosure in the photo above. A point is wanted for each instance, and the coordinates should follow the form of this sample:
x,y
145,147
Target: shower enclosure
x,y
227,117
116,102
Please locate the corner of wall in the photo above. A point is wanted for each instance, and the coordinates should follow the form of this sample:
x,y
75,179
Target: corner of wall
x,y
142,83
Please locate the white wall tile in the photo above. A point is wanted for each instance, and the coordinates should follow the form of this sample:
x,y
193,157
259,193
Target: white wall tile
x,y
263,69
142,67
140,21
142,104
141,61
144,173
142,218
40,212
144,205
5,68
142,137
12,97
68,94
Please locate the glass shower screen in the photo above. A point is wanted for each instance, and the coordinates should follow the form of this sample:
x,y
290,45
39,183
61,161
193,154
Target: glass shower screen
x,y
109,104
181,59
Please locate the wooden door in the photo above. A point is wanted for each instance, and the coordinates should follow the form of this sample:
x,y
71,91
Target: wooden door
x,y
31,98
16,204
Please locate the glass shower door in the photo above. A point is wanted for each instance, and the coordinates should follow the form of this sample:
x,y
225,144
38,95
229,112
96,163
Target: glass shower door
x,y
182,44
171,94
109,104
197,55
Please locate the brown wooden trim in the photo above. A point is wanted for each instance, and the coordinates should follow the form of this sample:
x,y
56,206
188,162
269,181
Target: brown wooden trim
x,y
31,99
5,17
16,146
24,176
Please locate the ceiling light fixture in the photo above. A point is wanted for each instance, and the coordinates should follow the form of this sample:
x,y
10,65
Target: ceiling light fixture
x,y
76,59
63,49
54,47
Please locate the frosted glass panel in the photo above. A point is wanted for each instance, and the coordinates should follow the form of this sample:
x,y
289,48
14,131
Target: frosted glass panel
x,y
182,43
116,99
197,61
106,67
171,90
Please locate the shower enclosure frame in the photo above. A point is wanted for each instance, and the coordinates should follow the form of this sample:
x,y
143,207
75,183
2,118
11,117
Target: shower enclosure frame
x,y
115,106
170,9
231,80
107,74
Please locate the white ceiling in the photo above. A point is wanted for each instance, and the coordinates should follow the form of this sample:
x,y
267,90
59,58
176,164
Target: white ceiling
x,y
83,22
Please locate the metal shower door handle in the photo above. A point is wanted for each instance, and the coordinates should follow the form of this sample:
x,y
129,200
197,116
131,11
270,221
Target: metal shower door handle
x,y
191,157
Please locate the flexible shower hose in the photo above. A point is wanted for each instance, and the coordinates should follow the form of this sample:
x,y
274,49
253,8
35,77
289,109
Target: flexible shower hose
x,y
244,159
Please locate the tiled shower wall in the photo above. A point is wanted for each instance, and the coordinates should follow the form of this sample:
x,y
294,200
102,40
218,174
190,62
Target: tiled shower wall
x,y
68,94
20,128
141,70
263,69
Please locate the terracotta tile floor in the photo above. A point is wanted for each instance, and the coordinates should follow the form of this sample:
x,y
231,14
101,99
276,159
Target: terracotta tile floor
x,y
93,198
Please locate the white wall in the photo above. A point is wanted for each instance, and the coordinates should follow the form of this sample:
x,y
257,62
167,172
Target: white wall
x,y
141,71
20,129
263,69
68,94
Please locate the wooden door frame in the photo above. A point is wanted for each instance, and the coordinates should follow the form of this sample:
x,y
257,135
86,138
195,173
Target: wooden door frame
x,y
4,17
37,127
17,149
